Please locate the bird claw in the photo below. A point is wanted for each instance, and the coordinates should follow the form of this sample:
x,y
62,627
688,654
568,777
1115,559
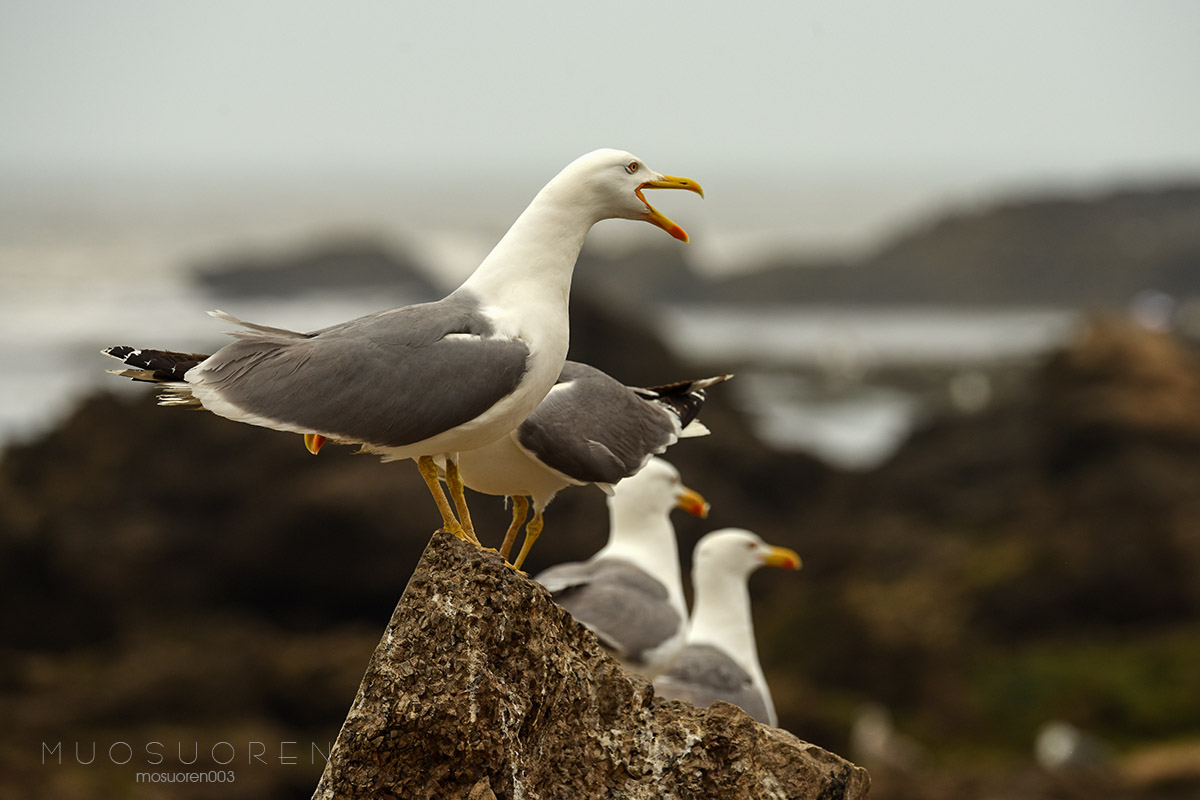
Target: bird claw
x,y
456,532
516,569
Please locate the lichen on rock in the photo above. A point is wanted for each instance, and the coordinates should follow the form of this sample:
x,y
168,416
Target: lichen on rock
x,y
483,687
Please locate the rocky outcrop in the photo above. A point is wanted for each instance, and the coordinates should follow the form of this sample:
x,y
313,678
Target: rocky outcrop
x,y
331,265
1076,251
1119,377
482,687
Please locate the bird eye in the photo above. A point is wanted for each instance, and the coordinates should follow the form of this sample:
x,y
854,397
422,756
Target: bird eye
x,y
631,167
751,545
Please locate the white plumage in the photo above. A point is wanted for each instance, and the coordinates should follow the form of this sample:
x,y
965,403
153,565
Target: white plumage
x,y
630,592
720,659
436,378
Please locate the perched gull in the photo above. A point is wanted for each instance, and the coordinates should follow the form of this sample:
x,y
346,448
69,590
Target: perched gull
x,y
720,660
431,379
590,428
630,593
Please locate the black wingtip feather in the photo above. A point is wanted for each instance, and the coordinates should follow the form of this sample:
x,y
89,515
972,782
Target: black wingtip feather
x,y
154,366
685,398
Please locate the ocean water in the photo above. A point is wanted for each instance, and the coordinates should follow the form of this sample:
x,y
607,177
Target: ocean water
x,y
853,339
79,272
849,384
71,285
58,311
786,359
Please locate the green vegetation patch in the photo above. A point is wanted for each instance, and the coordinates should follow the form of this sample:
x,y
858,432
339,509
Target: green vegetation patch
x,y
1127,689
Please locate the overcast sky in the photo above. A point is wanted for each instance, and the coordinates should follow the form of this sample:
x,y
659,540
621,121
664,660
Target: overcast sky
x,y
970,95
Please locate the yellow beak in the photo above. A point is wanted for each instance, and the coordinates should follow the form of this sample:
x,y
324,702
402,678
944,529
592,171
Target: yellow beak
x,y
314,442
782,557
654,216
693,503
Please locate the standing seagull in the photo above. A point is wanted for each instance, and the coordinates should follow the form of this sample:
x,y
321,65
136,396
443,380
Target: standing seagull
x,y
590,428
720,661
431,379
630,593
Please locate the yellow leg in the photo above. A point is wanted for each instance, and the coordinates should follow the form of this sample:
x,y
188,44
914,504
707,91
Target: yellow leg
x,y
532,531
457,491
520,511
430,473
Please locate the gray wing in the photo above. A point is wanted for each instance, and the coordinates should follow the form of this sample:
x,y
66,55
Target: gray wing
x,y
626,608
388,379
703,674
593,428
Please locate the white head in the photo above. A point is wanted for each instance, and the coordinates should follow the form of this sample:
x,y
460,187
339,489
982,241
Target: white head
x,y
739,552
609,184
653,491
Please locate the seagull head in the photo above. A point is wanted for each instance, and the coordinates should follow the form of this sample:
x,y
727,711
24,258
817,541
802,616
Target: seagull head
x,y
612,184
742,552
656,489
